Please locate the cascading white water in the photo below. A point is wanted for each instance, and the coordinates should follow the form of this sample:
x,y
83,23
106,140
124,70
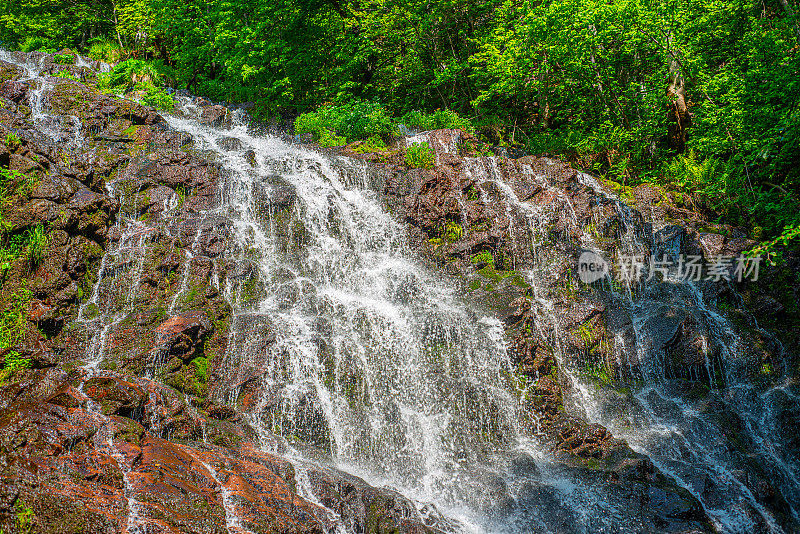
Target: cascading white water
x,y
374,357
656,420
676,434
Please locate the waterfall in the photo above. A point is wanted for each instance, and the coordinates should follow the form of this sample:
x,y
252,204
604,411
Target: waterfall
x,y
374,358
355,352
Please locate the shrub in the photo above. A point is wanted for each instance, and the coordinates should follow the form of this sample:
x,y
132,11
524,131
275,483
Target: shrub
x,y
64,59
104,49
12,328
31,43
452,231
438,120
131,72
359,119
24,516
156,97
12,140
36,241
13,181
328,139
67,74
373,144
420,155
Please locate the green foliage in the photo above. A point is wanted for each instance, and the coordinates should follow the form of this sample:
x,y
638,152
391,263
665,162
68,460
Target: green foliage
x,y
599,372
156,97
12,329
438,120
36,242
24,517
582,79
353,120
141,77
452,231
773,250
105,49
482,257
12,141
130,72
420,155
63,59
373,144
67,74
13,182
201,366
328,139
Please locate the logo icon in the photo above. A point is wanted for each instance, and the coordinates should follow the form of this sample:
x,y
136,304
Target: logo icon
x,y
591,267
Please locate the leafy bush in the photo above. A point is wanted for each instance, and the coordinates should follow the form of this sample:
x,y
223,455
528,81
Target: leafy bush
x,y
36,241
12,181
420,155
354,120
156,97
31,43
105,49
452,231
66,74
130,72
24,516
328,139
64,59
373,144
438,120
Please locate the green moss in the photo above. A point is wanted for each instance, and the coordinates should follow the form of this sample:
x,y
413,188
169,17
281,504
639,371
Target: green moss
x,y
452,231
482,257
201,365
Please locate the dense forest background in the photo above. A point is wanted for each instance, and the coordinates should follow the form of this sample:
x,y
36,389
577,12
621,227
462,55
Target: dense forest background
x,y
697,96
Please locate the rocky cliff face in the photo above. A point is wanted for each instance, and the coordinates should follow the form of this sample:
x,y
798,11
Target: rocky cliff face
x,y
145,404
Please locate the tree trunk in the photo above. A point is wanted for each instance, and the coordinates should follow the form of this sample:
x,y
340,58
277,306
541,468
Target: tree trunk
x,y
790,12
678,112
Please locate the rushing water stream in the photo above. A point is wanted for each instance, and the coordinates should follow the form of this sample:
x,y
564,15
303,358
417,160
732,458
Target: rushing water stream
x,y
368,354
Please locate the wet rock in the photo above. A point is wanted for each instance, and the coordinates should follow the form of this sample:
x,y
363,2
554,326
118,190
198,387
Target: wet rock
x,y
216,115
229,143
17,92
360,504
9,71
182,334
250,157
116,396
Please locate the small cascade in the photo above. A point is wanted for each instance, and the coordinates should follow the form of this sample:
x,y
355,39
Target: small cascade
x,y
104,442
118,282
678,437
187,266
359,350
333,523
232,521
656,419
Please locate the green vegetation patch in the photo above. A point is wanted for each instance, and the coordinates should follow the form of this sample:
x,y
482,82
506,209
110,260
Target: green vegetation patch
x,y
420,155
